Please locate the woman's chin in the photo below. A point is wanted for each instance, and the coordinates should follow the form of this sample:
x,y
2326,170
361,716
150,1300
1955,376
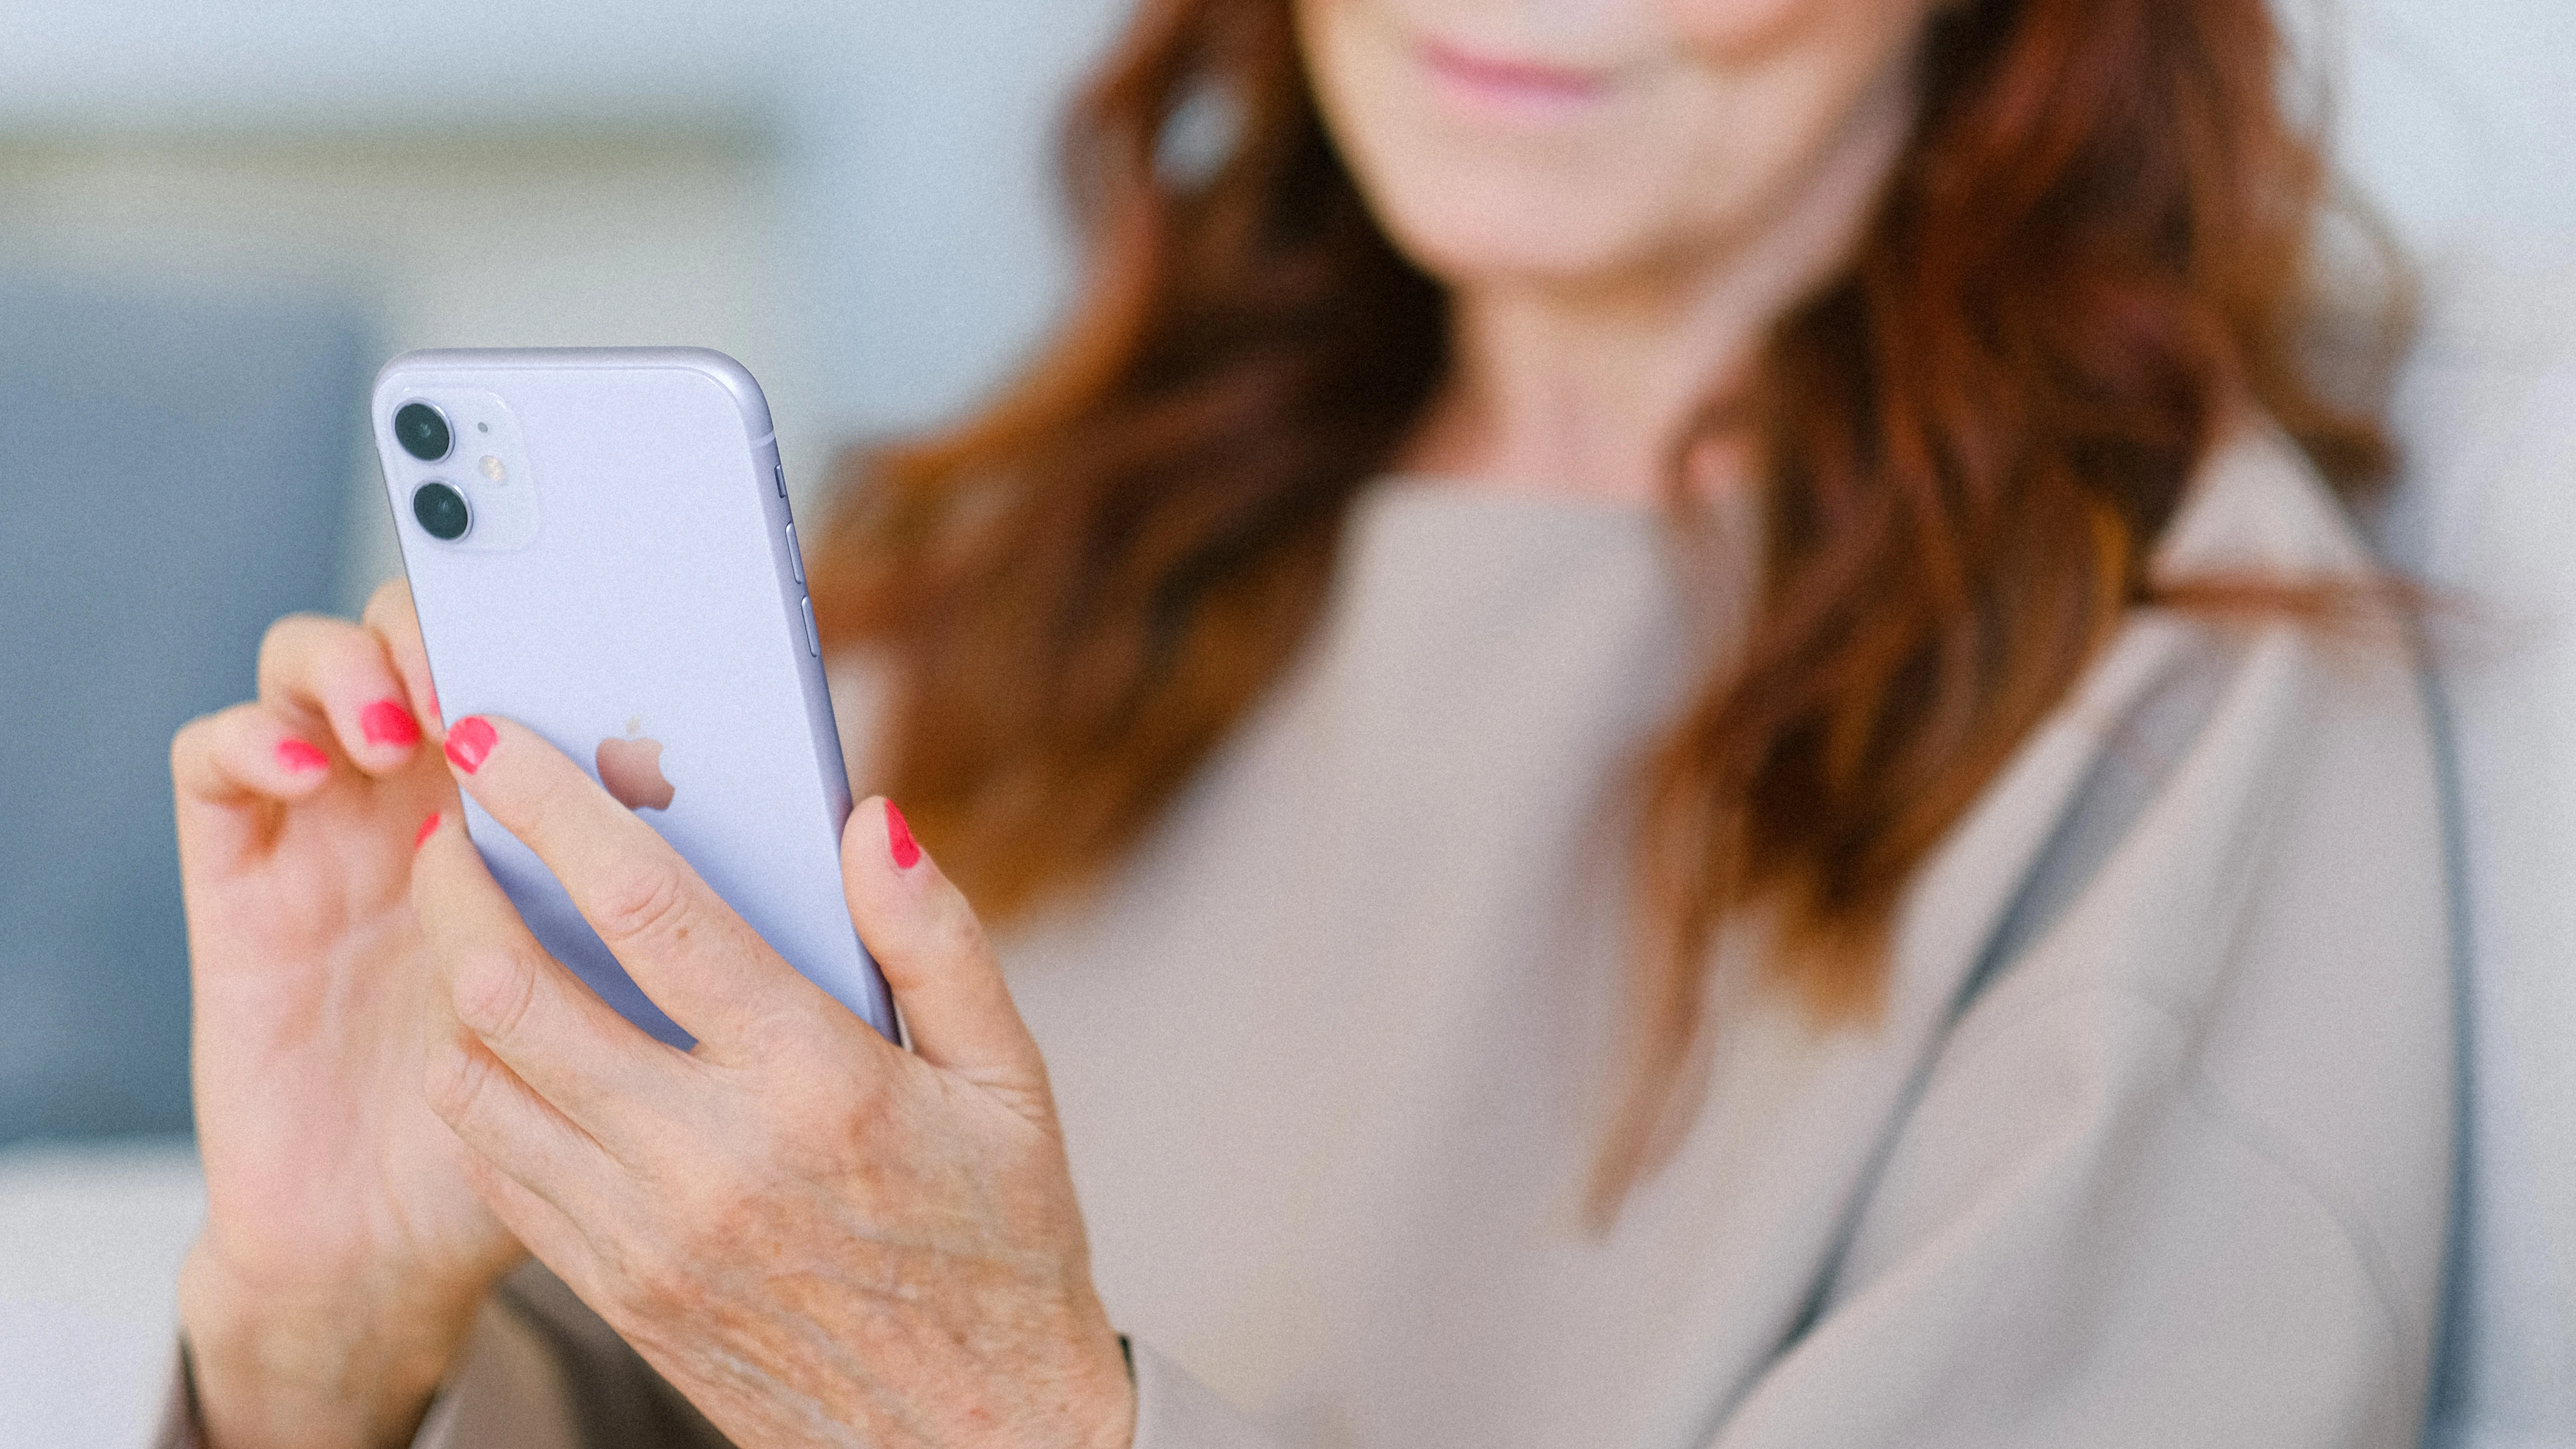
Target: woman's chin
x,y
1470,248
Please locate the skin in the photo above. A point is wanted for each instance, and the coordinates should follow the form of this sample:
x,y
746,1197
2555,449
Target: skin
x,y
816,1237
1614,244
345,1247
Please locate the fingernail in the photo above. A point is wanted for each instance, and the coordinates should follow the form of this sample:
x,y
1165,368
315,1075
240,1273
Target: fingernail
x,y
388,723
428,828
300,757
899,841
470,742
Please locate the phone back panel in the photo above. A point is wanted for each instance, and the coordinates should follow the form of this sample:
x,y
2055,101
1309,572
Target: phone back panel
x,y
630,580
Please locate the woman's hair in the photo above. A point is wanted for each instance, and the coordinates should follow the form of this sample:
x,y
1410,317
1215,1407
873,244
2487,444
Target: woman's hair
x,y
2092,256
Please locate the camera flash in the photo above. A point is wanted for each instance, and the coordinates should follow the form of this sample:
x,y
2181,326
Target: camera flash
x,y
493,470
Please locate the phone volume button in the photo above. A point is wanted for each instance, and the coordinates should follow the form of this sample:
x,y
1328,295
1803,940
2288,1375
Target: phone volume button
x,y
795,558
778,475
813,640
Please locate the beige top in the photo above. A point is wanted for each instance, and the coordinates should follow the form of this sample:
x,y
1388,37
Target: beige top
x,y
2152,1145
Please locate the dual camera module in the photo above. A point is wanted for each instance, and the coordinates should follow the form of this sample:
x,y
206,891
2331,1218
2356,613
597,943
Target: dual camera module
x,y
423,432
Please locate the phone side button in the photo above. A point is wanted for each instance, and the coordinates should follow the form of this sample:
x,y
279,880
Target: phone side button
x,y
778,475
795,559
813,640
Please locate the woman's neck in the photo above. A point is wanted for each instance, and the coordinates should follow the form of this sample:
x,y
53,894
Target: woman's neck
x,y
1583,386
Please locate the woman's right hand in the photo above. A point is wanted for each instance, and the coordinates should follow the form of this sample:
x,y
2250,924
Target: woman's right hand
x,y
345,1250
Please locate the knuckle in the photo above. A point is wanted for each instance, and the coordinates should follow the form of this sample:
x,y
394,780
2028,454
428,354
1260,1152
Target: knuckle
x,y
641,903
823,1124
201,749
786,1037
195,740
494,991
391,618
305,653
390,601
283,632
290,637
457,1078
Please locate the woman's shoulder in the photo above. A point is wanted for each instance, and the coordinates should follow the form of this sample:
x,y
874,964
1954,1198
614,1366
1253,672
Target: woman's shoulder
x,y
2219,958
2238,813
2285,651
2240,738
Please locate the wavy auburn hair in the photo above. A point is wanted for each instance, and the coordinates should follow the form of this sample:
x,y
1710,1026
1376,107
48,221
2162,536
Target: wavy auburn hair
x,y
2090,257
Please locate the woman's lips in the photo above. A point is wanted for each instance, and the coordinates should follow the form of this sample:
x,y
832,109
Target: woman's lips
x,y
1520,87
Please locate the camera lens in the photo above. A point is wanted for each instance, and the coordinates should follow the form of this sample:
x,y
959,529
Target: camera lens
x,y
441,510
422,430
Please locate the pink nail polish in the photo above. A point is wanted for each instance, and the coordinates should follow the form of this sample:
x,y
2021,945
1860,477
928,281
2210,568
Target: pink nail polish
x,y
388,723
301,758
899,841
471,742
428,828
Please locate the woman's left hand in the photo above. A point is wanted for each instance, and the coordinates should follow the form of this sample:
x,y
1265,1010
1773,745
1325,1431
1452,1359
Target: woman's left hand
x,y
814,1235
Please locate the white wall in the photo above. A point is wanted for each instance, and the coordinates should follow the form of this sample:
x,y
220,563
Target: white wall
x,y
2459,115
2460,119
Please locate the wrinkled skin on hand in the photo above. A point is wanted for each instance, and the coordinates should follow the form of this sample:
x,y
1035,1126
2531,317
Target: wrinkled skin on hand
x,y
816,1236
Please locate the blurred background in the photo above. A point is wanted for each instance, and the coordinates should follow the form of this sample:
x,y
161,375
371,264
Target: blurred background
x,y
216,220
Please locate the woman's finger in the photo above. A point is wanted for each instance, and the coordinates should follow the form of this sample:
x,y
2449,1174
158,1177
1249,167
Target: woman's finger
x,y
553,1033
319,672
562,1244
508,1125
697,960
228,769
934,953
391,617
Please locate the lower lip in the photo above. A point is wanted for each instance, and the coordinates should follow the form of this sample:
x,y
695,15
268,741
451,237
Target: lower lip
x,y
1511,88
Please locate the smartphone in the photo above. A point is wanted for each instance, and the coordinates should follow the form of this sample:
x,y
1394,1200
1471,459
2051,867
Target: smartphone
x,y
599,544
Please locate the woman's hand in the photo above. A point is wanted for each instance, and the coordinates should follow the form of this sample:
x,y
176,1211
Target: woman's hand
x,y
816,1236
344,1250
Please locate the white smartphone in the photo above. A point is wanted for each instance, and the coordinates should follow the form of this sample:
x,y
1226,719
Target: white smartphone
x,y
599,545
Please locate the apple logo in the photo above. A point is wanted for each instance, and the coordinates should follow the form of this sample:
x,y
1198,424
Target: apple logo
x,y
631,768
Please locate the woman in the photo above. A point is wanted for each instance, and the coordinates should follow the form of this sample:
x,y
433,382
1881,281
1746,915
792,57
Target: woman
x,y
1677,754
